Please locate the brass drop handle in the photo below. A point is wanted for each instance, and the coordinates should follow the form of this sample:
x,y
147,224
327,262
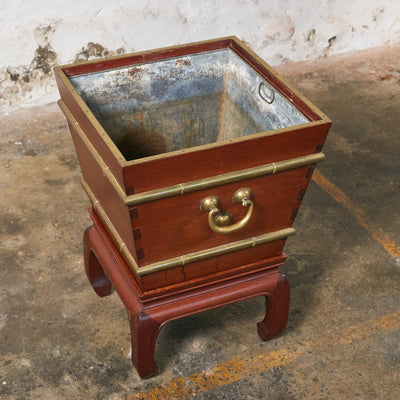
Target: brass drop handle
x,y
219,221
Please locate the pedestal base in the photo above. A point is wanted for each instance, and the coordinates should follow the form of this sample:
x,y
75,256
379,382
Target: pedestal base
x,y
106,269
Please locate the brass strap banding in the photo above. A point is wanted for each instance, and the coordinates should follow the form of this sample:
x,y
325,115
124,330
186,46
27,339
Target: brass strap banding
x,y
223,179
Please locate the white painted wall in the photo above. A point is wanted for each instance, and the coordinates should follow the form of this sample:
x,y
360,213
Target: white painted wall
x,y
37,34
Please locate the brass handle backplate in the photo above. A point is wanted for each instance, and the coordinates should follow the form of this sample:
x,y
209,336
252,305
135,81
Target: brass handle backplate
x,y
220,221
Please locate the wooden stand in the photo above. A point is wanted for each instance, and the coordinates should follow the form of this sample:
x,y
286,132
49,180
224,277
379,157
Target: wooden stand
x,y
106,269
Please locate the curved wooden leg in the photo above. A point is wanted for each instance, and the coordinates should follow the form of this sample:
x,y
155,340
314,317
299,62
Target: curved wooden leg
x,y
94,271
277,310
144,332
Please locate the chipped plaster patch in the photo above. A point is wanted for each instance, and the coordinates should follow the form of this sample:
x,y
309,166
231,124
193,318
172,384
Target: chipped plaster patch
x,y
29,83
34,83
95,50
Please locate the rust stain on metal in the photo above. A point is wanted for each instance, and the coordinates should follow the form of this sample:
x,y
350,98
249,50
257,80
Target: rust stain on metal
x,y
186,62
134,70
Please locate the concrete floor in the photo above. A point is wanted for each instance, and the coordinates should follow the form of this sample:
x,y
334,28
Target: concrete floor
x,y
58,340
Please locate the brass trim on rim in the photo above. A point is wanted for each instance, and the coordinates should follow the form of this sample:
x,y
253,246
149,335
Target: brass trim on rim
x,y
223,179
191,186
184,259
217,251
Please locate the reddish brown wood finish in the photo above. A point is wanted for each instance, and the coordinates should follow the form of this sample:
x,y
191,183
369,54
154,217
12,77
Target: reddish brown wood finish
x,y
178,226
275,316
116,211
224,158
230,264
175,226
104,265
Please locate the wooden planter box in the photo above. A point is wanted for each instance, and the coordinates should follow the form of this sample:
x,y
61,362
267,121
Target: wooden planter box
x,y
158,132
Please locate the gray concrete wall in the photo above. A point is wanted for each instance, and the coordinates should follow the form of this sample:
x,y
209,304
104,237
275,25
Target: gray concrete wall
x,y
38,34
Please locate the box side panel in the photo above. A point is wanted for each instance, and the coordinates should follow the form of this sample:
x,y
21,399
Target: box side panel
x,y
176,226
108,198
233,156
218,268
